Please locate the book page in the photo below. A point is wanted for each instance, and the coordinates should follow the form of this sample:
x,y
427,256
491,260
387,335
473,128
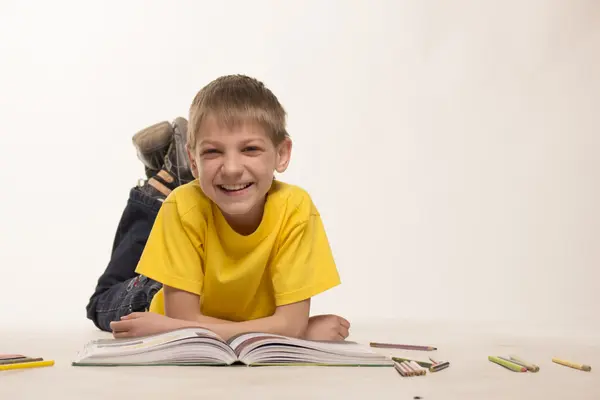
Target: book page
x,y
262,349
189,345
147,342
243,340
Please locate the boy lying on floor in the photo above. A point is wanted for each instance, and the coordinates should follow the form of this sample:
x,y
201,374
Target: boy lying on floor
x,y
211,239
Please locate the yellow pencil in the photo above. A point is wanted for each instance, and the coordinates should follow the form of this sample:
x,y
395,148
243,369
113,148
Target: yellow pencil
x,y
35,364
581,367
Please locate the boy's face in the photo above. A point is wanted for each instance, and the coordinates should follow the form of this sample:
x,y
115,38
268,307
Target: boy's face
x,y
235,167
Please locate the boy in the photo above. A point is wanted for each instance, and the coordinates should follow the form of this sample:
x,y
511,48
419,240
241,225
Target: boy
x,y
212,240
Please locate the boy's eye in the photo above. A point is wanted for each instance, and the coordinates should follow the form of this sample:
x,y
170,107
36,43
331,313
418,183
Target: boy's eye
x,y
251,149
209,151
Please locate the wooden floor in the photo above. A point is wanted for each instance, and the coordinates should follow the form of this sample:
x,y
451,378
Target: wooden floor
x,y
470,376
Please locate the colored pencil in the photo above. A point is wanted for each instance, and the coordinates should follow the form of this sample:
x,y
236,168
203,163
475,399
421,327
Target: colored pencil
x,y
398,368
11,356
439,366
581,367
530,367
408,368
420,370
413,366
421,363
35,364
402,369
507,364
20,360
402,346
405,371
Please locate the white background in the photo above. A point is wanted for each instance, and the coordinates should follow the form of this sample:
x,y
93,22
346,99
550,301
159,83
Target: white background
x,y
451,146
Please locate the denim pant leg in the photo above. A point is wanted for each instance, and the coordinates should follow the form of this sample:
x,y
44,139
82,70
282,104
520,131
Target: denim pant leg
x,y
132,295
119,289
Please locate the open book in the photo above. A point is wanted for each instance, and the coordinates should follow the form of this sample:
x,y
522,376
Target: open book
x,y
196,346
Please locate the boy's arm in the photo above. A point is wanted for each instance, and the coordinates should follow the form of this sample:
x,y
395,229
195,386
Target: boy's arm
x,y
288,320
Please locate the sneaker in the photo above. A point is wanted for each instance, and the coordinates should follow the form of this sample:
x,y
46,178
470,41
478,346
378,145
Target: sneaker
x,y
175,169
151,144
177,162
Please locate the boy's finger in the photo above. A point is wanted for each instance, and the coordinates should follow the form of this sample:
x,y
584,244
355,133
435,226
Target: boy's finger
x,y
120,325
133,315
115,324
344,322
118,335
344,332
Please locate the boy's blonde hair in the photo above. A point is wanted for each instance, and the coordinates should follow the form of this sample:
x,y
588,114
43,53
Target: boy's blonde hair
x,y
234,99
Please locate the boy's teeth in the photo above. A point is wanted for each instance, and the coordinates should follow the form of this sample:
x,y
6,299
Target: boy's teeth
x,y
235,187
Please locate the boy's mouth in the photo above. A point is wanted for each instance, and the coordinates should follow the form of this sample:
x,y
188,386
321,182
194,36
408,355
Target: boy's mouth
x,y
235,188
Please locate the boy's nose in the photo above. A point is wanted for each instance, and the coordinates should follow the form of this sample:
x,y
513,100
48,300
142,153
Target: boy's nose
x,y
232,166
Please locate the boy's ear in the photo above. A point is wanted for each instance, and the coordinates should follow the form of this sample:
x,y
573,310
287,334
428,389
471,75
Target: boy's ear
x,y
192,158
284,154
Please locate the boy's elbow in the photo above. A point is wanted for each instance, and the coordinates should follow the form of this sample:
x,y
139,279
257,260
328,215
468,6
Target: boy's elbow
x,y
298,328
293,318
182,305
292,328
293,325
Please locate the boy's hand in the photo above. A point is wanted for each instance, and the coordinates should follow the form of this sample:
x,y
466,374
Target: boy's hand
x,y
143,324
327,327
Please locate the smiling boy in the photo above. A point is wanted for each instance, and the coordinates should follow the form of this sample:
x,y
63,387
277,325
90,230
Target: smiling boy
x,y
231,249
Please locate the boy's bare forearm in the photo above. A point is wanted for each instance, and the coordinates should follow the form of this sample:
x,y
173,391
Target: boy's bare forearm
x,y
226,329
275,324
288,320
203,319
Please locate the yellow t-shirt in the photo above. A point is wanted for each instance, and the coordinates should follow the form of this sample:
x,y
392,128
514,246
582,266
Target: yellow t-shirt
x,y
192,247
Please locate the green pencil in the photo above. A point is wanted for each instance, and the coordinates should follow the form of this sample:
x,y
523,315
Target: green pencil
x,y
507,364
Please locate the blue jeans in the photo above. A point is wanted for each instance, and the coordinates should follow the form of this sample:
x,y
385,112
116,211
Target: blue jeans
x,y
119,290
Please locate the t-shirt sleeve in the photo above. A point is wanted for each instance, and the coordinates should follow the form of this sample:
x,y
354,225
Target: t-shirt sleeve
x,y
304,265
173,253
